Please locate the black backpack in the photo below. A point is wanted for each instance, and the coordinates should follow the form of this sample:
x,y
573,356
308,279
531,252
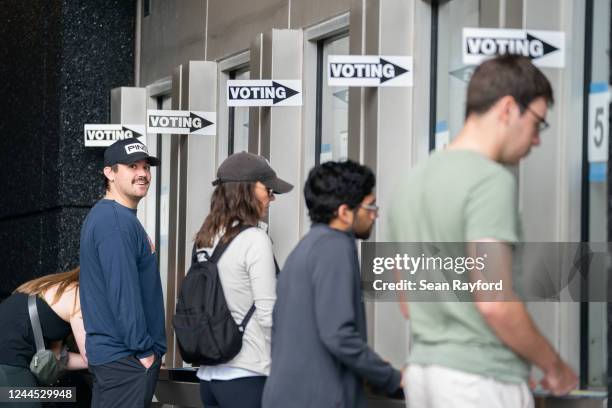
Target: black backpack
x,y
205,330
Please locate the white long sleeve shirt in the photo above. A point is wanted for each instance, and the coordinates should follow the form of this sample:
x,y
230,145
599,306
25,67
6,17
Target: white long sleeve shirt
x,y
248,276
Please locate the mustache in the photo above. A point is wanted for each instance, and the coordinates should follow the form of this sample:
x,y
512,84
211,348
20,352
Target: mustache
x,y
139,179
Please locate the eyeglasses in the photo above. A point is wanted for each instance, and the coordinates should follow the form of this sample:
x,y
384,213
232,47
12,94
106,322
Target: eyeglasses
x,y
542,123
370,207
269,191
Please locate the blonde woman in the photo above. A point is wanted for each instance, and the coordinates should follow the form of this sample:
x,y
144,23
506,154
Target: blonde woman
x,y
59,310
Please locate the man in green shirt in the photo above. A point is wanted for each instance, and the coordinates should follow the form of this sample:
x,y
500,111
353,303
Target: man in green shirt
x,y
477,354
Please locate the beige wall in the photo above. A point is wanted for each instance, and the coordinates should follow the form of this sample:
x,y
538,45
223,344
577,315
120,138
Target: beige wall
x,y
177,31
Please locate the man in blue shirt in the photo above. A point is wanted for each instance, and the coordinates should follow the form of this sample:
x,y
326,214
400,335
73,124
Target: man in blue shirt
x,y
120,287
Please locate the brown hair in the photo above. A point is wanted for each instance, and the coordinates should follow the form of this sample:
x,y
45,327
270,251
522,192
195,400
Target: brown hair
x,y
64,281
231,203
507,75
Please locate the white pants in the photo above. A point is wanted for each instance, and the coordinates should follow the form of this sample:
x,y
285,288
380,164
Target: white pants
x,y
435,386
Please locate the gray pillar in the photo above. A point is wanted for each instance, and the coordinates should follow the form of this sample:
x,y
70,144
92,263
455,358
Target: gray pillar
x,y
281,133
388,131
129,107
255,112
194,87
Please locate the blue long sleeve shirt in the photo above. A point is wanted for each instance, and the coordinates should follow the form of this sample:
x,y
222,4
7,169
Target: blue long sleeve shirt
x,y
120,287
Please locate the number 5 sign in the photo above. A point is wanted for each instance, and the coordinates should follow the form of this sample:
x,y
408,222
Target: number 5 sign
x,y
599,110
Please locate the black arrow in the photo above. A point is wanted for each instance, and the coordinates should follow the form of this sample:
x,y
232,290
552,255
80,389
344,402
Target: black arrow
x,y
547,47
397,70
135,133
204,122
288,91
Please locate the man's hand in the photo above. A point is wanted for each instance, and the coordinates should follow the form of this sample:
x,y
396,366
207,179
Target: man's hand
x,y
147,362
559,379
404,372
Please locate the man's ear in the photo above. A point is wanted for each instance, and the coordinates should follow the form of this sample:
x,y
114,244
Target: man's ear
x,y
109,173
506,107
345,214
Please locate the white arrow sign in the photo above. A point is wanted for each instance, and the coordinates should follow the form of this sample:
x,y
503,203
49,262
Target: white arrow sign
x,y
105,135
545,48
265,92
369,70
181,122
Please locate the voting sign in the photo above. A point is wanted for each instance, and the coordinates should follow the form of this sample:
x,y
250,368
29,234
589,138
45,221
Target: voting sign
x,y
181,122
102,135
544,48
265,92
369,70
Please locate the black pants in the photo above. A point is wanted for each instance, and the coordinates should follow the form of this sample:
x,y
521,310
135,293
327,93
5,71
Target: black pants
x,y
239,393
124,383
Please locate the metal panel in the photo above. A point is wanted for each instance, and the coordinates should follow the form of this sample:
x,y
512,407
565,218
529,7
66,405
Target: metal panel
x,y
256,68
267,54
304,13
356,114
383,120
281,138
501,13
201,157
224,68
194,88
190,31
158,47
171,358
598,201
153,93
234,23
323,30
396,114
489,13
174,33
554,168
129,107
178,394
513,14
368,146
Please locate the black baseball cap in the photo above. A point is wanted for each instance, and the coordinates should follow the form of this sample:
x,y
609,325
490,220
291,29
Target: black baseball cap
x,y
245,166
126,151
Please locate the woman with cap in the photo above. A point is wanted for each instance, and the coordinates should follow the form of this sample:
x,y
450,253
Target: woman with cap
x,y
244,188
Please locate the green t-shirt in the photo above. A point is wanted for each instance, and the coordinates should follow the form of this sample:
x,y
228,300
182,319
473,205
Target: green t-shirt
x,y
457,196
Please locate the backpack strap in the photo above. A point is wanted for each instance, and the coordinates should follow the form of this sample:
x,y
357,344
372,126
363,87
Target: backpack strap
x,y
222,246
214,258
35,321
246,319
194,254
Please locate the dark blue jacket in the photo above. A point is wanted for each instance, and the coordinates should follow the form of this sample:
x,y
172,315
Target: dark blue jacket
x,y
120,287
320,356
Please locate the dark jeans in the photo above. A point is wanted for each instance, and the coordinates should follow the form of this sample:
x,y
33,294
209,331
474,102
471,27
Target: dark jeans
x,y
124,383
239,393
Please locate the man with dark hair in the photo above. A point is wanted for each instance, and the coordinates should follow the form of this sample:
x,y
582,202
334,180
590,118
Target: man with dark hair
x,y
477,353
320,355
120,287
